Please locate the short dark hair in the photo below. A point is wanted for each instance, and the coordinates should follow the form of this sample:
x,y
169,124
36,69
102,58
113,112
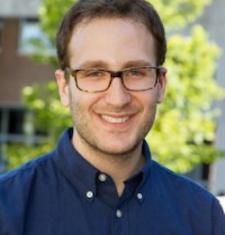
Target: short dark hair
x,y
138,10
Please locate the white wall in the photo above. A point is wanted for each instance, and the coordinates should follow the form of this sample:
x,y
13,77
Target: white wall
x,y
213,20
19,8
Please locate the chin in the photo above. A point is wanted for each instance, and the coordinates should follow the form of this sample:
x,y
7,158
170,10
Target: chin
x,y
118,149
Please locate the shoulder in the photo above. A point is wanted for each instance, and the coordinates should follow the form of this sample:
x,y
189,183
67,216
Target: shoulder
x,y
19,181
181,188
16,189
174,178
189,199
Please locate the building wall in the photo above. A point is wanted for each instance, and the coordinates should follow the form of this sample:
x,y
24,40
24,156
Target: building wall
x,y
17,70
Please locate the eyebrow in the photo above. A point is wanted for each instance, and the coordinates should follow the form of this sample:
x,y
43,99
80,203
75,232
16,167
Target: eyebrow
x,y
136,63
102,64
94,64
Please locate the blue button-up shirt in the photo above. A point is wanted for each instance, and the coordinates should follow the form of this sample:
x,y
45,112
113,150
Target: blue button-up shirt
x,y
62,194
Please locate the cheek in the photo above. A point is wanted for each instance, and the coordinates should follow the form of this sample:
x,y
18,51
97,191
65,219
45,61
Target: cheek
x,y
149,99
149,104
78,112
74,104
80,103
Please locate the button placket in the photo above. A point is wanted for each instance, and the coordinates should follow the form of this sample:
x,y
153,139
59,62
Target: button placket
x,y
89,195
102,177
119,213
140,196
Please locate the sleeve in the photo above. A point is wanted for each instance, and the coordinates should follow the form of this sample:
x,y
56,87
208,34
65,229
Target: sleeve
x,y
13,196
5,222
218,219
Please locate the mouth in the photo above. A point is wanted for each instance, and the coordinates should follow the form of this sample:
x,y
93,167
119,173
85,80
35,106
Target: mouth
x,y
115,120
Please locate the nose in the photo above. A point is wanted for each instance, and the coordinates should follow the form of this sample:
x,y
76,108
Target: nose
x,y
117,95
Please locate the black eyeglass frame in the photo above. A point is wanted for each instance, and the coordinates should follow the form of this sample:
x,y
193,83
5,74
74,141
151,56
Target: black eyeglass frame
x,y
115,74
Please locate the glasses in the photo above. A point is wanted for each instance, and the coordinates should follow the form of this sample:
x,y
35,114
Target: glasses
x,y
99,80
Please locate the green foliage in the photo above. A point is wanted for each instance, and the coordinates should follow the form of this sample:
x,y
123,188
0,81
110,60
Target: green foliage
x,y
19,154
50,116
178,13
185,128
51,13
184,132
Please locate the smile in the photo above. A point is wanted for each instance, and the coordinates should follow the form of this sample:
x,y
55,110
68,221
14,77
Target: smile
x,y
111,119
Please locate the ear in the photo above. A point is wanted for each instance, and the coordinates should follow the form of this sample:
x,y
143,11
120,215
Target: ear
x,y
162,81
63,87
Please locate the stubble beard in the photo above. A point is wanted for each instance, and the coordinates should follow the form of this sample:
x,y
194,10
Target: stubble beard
x,y
89,140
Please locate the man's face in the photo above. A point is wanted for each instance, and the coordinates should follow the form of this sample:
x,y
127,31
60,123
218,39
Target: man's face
x,y
114,121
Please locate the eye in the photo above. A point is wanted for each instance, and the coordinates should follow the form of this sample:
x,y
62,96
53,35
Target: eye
x,y
94,73
137,72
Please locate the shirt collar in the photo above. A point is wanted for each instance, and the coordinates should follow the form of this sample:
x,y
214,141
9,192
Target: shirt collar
x,y
75,168
81,173
143,173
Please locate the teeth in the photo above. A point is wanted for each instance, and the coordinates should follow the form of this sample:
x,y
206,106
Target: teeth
x,y
114,120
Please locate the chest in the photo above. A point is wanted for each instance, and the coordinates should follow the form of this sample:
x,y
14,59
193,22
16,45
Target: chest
x,y
81,216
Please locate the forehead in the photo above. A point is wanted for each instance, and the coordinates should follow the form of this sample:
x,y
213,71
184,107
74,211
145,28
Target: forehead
x,y
113,40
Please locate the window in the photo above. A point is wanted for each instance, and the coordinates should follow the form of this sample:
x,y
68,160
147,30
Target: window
x,y
15,126
32,39
15,121
11,124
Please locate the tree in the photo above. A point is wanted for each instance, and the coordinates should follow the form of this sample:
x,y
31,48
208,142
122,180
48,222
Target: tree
x,y
184,133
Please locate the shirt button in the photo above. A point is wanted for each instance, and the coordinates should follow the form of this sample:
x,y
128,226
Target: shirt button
x,y
118,213
139,196
89,194
102,177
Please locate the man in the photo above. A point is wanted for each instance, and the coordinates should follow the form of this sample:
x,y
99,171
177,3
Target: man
x,y
100,179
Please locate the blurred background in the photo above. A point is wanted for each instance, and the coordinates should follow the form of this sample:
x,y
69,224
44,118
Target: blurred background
x,y
189,135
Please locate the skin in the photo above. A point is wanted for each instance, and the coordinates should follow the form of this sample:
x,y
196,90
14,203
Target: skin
x,y
110,126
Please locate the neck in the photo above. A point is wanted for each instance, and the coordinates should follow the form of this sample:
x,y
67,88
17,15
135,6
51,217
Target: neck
x,y
119,166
